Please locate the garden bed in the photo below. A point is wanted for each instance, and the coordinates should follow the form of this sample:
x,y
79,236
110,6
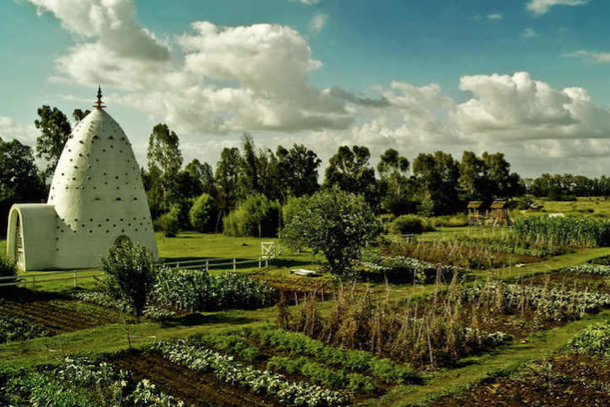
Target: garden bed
x,y
57,314
564,380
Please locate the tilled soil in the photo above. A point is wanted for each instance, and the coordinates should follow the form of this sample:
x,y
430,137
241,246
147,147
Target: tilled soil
x,y
57,314
565,380
195,389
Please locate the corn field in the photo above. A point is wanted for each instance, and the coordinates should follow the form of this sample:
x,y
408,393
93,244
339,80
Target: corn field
x,y
576,232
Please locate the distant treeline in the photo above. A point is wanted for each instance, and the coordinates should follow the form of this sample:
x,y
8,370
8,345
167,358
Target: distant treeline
x,y
433,184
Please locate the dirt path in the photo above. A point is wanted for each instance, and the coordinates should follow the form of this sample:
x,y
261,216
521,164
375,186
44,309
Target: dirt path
x,y
195,389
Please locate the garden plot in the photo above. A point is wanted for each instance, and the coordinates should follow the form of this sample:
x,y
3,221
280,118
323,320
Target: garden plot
x,y
56,314
80,382
579,376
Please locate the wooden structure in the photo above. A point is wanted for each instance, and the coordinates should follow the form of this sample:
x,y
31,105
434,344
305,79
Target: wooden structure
x,y
476,213
500,213
268,250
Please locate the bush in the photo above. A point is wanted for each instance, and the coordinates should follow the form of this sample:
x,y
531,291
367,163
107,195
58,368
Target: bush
x,y
408,224
8,268
594,339
451,221
130,275
169,222
256,216
203,213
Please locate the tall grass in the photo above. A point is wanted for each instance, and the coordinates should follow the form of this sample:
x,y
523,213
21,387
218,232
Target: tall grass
x,y
572,231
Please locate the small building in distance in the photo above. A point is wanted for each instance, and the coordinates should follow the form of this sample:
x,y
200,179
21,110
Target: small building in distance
x,y
476,213
97,198
500,213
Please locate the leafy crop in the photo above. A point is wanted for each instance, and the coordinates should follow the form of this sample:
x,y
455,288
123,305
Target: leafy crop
x,y
594,339
15,329
596,269
196,290
228,370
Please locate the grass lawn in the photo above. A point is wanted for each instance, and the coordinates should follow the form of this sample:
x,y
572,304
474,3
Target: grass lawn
x,y
593,206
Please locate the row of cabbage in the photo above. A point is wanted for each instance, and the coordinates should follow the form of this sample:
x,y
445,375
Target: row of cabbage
x,y
231,371
552,303
80,382
595,269
405,269
16,329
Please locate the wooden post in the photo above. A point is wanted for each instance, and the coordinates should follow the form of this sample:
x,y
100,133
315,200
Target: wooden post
x,y
266,263
234,264
259,263
207,265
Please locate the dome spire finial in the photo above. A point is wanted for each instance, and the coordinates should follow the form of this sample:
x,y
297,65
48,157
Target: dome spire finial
x,y
99,104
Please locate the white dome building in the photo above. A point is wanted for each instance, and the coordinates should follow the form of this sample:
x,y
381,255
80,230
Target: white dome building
x,y
97,198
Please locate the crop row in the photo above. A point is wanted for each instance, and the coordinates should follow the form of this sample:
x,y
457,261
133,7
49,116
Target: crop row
x,y
295,343
596,269
197,290
236,373
405,268
552,303
571,231
80,382
16,329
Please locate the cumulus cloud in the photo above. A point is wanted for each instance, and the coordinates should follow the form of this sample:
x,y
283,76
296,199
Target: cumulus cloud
x,y
9,130
540,7
495,16
317,22
588,56
518,107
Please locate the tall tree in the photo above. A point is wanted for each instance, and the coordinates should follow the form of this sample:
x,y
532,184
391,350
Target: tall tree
x,y
437,176
349,169
19,178
55,129
165,160
201,177
227,177
393,168
78,115
297,170
472,177
249,179
501,183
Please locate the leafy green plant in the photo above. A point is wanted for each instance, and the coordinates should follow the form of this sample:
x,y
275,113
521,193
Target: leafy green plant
x,y
15,329
130,275
203,213
228,370
594,339
573,231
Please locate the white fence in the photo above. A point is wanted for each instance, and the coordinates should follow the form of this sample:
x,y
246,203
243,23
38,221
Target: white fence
x,y
35,280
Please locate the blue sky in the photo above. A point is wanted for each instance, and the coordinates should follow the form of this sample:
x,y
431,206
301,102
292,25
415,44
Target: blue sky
x,y
529,78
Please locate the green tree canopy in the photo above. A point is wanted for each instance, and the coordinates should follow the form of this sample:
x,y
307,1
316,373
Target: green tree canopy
x,y
334,222
55,130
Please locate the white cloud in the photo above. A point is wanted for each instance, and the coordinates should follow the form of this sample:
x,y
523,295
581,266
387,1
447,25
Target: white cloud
x,y
588,56
518,108
9,130
495,16
317,22
308,2
540,7
529,33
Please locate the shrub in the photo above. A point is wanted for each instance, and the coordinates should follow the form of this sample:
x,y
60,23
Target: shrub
x,y
336,223
130,275
256,216
594,339
408,224
203,213
8,268
169,222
